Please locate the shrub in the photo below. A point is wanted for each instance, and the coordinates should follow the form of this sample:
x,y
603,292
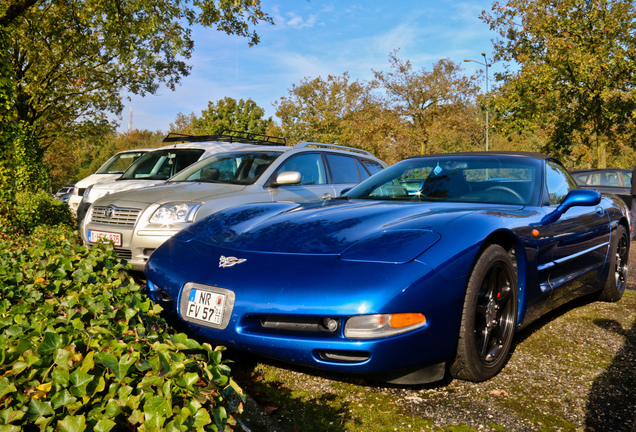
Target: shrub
x,y
40,209
82,349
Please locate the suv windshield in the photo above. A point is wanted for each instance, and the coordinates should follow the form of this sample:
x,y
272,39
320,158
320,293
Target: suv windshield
x,y
161,164
120,162
236,168
500,180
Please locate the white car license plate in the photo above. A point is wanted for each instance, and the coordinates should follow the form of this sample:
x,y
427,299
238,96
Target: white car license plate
x,y
206,306
104,237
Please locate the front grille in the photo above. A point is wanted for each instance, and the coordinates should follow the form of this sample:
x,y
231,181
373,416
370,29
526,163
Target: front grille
x,y
111,215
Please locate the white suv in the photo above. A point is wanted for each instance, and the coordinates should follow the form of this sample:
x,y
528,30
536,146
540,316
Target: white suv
x,y
138,221
113,168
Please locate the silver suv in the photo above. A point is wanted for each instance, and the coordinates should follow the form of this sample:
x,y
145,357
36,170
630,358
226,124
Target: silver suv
x,y
138,221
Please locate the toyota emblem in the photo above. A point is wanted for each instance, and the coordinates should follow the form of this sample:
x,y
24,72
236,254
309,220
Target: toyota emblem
x,y
109,212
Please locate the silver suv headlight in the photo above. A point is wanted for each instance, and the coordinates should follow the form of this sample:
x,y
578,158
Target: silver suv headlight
x,y
175,212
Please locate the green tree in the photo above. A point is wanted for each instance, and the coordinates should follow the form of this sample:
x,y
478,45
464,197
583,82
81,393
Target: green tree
x,y
575,74
323,110
68,162
225,114
70,60
427,101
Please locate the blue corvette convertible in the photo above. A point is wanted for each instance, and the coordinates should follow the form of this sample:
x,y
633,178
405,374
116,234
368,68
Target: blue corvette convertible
x,y
428,267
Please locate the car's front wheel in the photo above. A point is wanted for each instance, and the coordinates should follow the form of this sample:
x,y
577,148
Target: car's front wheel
x,y
488,318
617,276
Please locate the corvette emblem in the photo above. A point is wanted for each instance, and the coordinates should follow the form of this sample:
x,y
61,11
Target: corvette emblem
x,y
230,261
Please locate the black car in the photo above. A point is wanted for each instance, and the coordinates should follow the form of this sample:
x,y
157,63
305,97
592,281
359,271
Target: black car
x,y
617,181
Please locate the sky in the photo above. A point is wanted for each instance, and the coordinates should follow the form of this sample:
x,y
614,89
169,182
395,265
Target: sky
x,y
317,38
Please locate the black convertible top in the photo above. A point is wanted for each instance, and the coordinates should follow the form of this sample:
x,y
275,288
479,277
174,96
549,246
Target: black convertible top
x,y
533,155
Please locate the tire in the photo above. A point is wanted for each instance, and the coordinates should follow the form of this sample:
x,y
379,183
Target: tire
x,y
489,317
617,275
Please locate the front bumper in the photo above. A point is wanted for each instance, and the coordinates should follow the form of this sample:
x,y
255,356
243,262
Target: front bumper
x,y
139,239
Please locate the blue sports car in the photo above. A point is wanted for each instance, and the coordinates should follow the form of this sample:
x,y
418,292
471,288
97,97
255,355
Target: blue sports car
x,y
394,283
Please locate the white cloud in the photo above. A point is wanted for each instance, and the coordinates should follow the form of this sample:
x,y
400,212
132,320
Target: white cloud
x,y
299,22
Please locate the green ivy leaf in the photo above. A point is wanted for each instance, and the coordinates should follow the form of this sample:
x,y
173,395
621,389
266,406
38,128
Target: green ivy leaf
x,y
158,405
10,415
120,367
60,377
104,425
136,417
188,380
72,424
39,409
50,343
6,387
63,398
62,357
129,313
88,363
181,341
80,380
112,410
201,418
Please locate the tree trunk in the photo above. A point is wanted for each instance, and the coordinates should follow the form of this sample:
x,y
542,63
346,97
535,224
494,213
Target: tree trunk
x,y
601,161
7,132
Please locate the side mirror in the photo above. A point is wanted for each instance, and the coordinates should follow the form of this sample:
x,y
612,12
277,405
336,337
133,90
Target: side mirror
x,y
575,198
288,178
344,191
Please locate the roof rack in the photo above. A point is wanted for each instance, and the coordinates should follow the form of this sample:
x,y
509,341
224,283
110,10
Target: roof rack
x,y
227,136
333,146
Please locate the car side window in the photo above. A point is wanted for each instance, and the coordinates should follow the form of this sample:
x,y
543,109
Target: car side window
x,y
364,174
371,166
627,177
310,167
559,182
343,169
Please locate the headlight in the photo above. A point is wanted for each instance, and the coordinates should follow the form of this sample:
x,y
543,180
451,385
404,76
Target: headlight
x,y
382,325
87,191
175,212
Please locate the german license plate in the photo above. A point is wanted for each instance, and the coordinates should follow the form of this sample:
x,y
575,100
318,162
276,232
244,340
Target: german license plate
x,y
104,237
207,305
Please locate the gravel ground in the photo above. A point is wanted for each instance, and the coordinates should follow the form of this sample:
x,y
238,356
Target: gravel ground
x,y
573,370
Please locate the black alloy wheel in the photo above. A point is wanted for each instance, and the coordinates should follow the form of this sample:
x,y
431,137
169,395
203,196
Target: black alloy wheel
x,y
488,318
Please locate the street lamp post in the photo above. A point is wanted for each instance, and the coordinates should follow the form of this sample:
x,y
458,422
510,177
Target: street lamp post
x,y
486,65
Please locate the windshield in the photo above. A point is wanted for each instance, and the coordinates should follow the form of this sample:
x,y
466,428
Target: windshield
x,y
119,163
161,164
480,179
236,168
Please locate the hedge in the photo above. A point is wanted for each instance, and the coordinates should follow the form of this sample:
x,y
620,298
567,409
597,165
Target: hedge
x,y
81,348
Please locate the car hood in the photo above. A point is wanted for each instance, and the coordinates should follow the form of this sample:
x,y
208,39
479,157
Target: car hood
x,y
329,227
105,188
94,179
171,192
